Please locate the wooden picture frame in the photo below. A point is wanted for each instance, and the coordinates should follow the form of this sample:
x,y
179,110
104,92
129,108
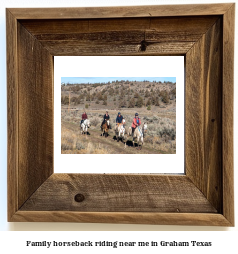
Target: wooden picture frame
x,y
204,34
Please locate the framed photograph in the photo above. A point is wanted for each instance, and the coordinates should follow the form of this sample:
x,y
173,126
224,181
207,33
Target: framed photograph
x,y
197,190
158,102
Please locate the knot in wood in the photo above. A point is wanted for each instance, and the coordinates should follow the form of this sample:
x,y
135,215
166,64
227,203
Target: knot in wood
x,y
143,45
79,198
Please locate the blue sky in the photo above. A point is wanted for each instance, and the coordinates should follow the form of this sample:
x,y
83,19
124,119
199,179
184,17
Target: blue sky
x,y
73,80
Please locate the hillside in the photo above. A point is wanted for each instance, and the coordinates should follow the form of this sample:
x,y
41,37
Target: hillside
x,y
120,94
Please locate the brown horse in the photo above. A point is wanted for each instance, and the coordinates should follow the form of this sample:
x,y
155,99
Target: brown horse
x,y
105,128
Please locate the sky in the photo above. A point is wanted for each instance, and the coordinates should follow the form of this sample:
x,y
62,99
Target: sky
x,y
73,80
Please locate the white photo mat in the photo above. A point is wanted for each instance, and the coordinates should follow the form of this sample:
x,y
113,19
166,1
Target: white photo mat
x,y
120,66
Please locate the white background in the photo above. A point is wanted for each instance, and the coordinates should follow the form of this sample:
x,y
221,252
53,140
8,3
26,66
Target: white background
x,y
15,241
123,66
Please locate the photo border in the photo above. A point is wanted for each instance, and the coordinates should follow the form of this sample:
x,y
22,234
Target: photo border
x,y
68,162
35,35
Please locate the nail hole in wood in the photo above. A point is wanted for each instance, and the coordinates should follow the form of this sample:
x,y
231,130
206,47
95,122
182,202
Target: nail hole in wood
x,y
79,198
213,120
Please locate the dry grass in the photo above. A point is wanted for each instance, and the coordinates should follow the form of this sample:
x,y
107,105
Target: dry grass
x,y
161,133
71,143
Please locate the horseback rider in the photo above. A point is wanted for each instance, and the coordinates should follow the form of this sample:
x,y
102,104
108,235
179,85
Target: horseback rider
x,y
105,118
136,122
119,118
84,117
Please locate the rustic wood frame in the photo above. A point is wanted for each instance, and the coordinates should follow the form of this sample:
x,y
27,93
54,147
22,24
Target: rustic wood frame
x,y
204,34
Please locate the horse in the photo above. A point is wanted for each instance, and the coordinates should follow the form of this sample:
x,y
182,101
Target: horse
x,y
85,124
139,134
105,128
120,130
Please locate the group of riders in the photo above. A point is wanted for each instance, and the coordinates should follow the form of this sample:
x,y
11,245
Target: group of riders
x,y
119,120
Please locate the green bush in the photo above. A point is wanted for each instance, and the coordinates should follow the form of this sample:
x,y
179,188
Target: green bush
x,y
139,102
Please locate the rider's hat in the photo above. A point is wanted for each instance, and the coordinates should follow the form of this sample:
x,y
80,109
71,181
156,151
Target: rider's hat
x,y
119,113
136,114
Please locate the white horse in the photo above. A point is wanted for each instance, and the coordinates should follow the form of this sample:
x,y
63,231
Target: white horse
x,y
139,134
84,126
120,130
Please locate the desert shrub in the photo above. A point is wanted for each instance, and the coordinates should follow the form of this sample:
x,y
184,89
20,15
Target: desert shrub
x,y
147,94
139,102
170,132
65,99
122,103
157,141
67,118
111,91
148,119
131,103
148,103
66,146
88,97
94,121
164,96
173,92
73,99
152,127
149,107
79,145
69,140
99,96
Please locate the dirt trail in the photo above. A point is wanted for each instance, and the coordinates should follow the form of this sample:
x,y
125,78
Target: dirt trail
x,y
111,143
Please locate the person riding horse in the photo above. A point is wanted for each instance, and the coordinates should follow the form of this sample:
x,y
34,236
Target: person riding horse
x,y
119,118
105,118
119,128
84,117
136,122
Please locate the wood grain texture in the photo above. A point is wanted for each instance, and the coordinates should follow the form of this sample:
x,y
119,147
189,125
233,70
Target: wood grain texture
x,y
114,193
204,196
71,48
120,12
179,25
227,113
35,114
12,114
204,115
119,36
192,219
